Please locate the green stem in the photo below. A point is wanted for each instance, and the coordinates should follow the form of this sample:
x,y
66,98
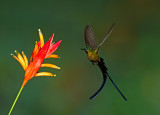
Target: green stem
x,y
15,101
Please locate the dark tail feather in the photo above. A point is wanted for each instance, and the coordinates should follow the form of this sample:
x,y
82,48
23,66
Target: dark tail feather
x,y
99,90
117,88
103,69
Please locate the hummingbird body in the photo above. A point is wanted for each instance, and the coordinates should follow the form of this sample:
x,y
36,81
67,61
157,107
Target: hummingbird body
x,y
92,53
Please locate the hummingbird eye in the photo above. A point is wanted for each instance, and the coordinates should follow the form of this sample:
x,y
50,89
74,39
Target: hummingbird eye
x,y
86,48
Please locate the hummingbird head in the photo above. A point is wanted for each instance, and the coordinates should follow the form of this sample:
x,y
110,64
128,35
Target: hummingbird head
x,y
85,49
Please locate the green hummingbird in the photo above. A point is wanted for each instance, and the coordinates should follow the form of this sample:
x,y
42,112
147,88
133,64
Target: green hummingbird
x,y
92,53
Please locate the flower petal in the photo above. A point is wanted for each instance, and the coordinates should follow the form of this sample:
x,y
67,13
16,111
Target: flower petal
x,y
41,38
53,48
20,59
35,65
35,50
50,65
44,74
25,60
53,56
17,60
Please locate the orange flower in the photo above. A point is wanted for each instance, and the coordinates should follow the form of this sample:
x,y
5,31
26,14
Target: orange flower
x,y
40,52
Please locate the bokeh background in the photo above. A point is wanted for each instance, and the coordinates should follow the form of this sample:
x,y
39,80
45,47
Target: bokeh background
x,y
131,53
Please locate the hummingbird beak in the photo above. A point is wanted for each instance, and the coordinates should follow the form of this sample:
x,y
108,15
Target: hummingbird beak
x,y
82,49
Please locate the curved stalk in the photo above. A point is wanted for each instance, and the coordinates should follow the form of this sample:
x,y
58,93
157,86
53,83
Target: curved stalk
x,y
15,101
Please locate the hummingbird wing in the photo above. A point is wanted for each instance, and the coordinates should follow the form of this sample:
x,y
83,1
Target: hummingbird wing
x,y
89,37
103,68
110,30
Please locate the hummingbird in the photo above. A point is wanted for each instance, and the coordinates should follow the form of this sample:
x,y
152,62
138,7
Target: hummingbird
x,y
92,53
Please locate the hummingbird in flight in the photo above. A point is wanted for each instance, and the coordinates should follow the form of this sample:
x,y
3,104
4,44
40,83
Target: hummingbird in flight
x,y
92,53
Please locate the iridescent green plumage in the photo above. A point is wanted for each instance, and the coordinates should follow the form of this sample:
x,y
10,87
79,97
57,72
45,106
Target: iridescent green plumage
x,y
92,53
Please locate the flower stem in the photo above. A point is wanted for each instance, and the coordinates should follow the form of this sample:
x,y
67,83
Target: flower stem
x,y
15,101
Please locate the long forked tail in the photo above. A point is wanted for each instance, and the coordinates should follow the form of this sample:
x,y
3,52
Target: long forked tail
x,y
104,69
99,90
117,88
104,72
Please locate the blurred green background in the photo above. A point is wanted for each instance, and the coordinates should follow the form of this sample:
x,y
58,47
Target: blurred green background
x,y
131,53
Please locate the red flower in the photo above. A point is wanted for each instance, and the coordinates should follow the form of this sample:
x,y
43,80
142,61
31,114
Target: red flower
x,y
40,52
